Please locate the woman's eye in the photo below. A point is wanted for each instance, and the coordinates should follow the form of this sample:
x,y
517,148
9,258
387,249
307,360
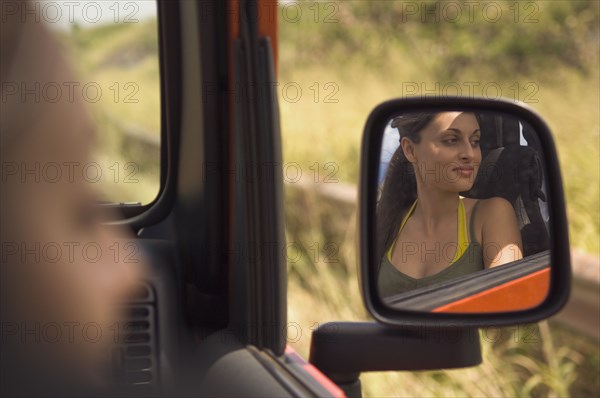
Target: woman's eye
x,y
476,143
451,141
86,215
85,218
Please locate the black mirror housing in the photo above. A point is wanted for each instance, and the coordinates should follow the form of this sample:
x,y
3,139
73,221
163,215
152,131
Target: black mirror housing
x,y
559,250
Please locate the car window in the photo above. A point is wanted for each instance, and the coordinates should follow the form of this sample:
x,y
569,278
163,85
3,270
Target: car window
x,y
113,46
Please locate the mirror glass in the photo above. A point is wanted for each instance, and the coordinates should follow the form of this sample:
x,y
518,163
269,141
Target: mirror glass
x,y
462,216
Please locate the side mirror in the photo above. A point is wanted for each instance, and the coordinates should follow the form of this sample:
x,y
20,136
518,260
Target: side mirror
x,y
462,215
462,225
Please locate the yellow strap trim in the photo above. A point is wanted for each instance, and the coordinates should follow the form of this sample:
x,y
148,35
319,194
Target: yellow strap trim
x,y
463,239
389,253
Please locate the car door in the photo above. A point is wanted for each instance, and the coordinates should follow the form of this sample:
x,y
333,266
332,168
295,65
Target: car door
x,y
214,304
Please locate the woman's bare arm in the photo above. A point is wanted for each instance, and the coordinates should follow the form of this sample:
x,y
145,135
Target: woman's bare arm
x,y
501,235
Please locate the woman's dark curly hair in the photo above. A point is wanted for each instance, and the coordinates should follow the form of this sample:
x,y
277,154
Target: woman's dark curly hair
x,y
400,185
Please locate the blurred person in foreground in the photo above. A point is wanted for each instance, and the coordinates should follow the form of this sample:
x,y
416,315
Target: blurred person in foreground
x,y
61,281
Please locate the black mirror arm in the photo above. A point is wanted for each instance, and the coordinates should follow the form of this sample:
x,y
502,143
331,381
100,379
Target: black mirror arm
x,y
343,350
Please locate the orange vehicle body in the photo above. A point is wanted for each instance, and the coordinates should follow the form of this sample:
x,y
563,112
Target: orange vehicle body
x,y
523,293
267,27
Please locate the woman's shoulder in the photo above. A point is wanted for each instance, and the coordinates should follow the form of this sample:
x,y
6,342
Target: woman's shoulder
x,y
492,204
495,205
490,210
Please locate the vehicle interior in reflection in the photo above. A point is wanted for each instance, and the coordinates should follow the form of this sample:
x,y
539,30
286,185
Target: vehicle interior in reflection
x,y
420,270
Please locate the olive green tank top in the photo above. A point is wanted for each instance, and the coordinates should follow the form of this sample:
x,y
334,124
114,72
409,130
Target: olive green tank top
x,y
468,259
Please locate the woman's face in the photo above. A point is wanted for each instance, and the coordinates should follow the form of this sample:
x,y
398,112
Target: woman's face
x,y
448,156
63,275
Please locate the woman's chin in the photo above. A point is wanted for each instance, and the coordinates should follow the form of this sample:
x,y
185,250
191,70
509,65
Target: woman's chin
x,y
462,187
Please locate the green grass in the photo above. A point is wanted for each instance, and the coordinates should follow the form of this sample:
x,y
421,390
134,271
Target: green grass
x,y
524,361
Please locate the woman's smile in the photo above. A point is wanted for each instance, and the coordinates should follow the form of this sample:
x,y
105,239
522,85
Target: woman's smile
x,y
465,171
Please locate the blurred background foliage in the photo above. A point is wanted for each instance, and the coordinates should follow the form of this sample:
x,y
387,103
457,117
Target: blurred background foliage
x,y
485,37
122,61
543,53
346,57
546,54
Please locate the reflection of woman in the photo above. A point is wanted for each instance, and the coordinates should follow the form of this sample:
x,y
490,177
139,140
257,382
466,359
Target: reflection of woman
x,y
418,240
